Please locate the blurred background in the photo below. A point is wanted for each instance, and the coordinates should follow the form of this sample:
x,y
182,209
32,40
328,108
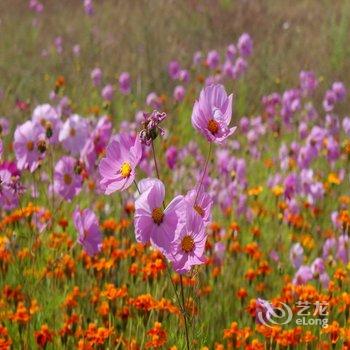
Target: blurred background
x,y
141,37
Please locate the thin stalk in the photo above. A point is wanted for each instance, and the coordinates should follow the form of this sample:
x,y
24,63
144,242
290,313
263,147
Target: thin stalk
x,y
155,160
137,187
174,288
204,172
184,314
156,165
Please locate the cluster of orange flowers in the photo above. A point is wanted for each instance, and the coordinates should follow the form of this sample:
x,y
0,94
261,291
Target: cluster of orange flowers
x,y
19,214
114,305
5,341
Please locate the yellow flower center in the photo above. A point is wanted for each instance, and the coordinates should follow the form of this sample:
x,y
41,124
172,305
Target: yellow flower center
x,y
157,215
30,146
67,179
125,170
199,209
187,244
213,126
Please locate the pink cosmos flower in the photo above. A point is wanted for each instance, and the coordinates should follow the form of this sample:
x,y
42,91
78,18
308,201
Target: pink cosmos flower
x,y
174,69
153,222
219,253
213,59
58,42
179,93
89,7
4,126
125,83
212,113
76,50
231,52
184,75
96,76
264,311
296,255
188,248
171,155
201,204
74,134
245,45
107,93
89,234
67,182
8,197
26,139
47,117
153,100
197,57
303,275
102,133
117,169
88,155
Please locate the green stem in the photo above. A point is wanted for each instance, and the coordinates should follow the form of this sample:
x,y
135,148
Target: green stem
x,y
204,172
137,187
184,314
156,165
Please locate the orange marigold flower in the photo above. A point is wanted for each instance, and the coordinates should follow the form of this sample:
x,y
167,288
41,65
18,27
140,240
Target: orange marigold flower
x,y
124,313
277,190
129,208
308,337
214,227
97,336
256,231
167,305
157,335
252,249
69,325
144,302
21,315
255,191
44,336
153,268
103,309
334,179
63,223
333,330
5,340
111,292
133,269
109,225
340,274
60,81
250,274
205,290
23,253
264,268
34,307
255,345
232,331
234,227
242,293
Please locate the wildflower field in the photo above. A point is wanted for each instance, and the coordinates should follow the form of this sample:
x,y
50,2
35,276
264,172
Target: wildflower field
x,y
174,175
